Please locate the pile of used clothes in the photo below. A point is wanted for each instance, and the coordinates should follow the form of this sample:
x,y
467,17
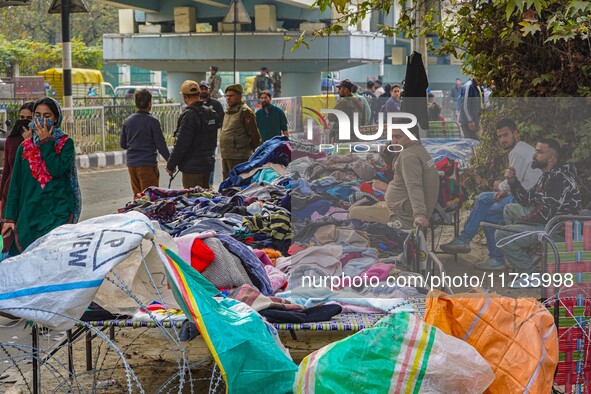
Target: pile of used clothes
x,y
278,226
275,220
326,244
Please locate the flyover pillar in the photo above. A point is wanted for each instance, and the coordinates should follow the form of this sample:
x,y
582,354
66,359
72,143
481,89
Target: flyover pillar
x,y
176,79
300,84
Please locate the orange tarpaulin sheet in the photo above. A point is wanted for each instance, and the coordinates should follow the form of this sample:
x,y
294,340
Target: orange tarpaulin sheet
x,y
517,337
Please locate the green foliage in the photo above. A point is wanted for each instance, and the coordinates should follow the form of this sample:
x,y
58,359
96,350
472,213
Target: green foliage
x,y
530,48
31,37
37,56
513,42
35,23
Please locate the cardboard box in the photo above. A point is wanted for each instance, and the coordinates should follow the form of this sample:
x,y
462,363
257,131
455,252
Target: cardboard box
x,y
154,29
228,27
127,23
265,17
184,19
308,26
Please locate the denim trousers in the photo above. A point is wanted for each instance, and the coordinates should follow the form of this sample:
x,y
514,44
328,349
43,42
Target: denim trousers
x,y
486,209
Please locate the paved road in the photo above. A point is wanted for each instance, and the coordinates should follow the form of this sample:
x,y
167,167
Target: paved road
x,y
107,189
103,192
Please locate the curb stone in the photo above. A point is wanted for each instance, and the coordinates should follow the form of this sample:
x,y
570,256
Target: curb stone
x,y
101,159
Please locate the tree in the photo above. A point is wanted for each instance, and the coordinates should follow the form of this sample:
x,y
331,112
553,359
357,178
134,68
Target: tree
x,y
529,48
35,23
35,56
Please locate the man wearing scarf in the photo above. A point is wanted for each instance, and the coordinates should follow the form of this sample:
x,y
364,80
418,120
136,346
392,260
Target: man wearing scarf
x,y
44,191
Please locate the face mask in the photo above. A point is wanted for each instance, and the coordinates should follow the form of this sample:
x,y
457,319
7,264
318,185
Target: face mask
x,y
19,126
48,123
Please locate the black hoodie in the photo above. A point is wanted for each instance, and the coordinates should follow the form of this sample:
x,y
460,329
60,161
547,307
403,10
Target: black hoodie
x,y
555,193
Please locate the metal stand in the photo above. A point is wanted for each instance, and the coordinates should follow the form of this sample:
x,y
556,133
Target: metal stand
x,y
456,225
88,350
70,354
36,371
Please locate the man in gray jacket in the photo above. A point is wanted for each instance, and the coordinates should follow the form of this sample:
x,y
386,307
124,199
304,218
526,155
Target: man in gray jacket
x,y
412,194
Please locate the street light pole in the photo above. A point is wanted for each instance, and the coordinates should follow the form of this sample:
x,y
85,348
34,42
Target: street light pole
x,y
236,18
235,22
65,8
66,54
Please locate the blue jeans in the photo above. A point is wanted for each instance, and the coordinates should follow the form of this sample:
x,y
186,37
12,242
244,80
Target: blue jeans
x,y
486,209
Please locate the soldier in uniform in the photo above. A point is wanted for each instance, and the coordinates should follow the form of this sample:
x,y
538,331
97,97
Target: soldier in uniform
x,y
240,135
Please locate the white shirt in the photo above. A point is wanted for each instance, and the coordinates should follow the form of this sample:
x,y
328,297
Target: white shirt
x,y
379,91
520,158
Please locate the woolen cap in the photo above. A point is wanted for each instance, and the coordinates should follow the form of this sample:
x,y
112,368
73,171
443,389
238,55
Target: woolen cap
x,y
190,87
235,88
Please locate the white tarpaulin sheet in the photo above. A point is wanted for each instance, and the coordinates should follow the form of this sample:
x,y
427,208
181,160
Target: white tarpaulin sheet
x,y
56,278
143,274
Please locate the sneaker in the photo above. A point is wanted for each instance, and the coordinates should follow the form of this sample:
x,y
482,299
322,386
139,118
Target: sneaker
x,y
524,281
491,265
458,245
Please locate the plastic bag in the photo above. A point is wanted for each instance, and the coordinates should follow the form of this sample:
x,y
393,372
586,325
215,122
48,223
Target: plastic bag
x,y
143,273
244,347
55,279
400,354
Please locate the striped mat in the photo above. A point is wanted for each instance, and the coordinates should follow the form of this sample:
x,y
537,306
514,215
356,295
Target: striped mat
x,y
342,322
133,323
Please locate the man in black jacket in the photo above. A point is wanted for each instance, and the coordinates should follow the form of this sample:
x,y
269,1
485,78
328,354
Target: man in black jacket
x,y
141,136
555,193
196,139
209,101
470,107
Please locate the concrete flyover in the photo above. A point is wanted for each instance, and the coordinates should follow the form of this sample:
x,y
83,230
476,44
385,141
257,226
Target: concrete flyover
x,y
191,54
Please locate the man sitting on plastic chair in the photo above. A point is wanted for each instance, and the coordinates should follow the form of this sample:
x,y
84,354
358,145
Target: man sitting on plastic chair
x,y
412,193
555,193
489,205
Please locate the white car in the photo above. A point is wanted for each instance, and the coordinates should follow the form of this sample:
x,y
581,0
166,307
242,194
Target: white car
x,y
127,91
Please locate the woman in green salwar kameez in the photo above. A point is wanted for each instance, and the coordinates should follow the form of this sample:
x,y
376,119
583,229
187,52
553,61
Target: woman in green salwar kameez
x,y
44,191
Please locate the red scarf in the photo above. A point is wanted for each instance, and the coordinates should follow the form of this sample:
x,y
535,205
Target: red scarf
x,y
32,154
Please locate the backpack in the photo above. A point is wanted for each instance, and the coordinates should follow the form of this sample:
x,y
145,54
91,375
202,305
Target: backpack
x,y
209,126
